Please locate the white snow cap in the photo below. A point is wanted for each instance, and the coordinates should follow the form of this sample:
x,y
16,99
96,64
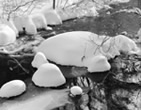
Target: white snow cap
x,y
38,60
12,88
7,35
76,90
75,48
51,15
48,75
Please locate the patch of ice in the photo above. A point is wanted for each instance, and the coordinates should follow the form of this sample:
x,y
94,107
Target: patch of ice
x,y
45,101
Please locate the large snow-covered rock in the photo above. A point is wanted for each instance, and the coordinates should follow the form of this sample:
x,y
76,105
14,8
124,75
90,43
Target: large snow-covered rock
x,y
39,21
12,88
38,60
7,35
25,23
76,48
48,75
52,17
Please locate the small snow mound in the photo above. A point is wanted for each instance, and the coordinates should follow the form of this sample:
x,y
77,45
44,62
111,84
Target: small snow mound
x,y
126,44
98,63
12,88
76,90
48,75
7,35
38,60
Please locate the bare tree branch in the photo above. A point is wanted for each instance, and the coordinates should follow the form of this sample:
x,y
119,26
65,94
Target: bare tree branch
x,y
18,7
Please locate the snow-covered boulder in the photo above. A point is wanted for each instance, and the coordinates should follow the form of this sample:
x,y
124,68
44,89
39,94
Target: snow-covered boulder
x,y
12,88
11,25
7,35
126,44
39,21
48,75
52,17
25,23
77,48
76,90
38,60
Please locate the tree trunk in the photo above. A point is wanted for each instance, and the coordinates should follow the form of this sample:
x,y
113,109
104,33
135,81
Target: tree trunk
x,y
54,4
